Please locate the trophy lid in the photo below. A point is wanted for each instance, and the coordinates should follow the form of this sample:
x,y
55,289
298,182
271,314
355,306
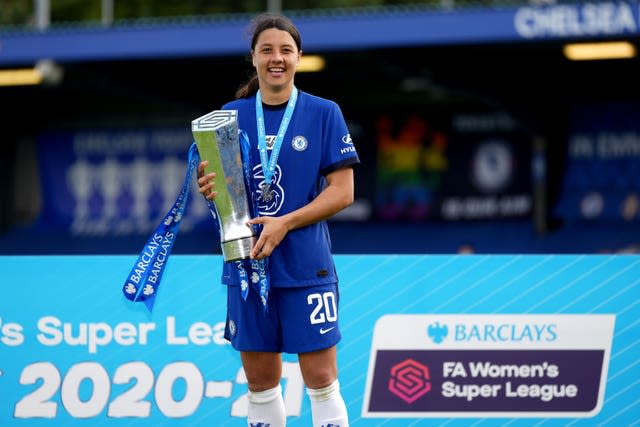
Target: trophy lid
x,y
214,120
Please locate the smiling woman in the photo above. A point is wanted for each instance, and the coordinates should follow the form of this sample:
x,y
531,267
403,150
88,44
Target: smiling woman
x,y
300,175
275,58
280,47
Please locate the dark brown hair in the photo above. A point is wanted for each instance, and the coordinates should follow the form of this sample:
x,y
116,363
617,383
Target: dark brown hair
x,y
260,23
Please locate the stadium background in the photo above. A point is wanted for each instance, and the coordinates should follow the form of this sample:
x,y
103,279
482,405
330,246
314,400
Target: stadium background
x,y
476,135
450,109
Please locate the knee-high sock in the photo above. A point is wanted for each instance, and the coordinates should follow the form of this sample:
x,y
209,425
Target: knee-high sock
x,y
266,408
327,406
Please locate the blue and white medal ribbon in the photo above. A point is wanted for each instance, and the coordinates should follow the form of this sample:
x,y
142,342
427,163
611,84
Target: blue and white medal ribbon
x,y
267,162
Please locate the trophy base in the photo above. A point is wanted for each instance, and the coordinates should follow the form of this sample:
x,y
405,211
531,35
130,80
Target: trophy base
x,y
234,250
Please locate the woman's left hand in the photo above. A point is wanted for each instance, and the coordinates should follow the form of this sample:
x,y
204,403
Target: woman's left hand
x,y
273,231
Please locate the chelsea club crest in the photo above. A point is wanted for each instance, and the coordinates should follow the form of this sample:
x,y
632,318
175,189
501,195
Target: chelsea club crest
x,y
299,143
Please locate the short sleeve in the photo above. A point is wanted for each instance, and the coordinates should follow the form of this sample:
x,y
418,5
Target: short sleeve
x,y
338,147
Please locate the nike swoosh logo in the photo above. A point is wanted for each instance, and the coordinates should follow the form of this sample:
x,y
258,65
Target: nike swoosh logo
x,y
324,331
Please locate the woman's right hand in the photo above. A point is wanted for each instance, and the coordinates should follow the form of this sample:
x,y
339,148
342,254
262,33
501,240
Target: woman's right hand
x,y
206,182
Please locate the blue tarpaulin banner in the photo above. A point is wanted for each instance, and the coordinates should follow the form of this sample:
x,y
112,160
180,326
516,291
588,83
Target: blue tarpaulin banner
x,y
110,182
602,178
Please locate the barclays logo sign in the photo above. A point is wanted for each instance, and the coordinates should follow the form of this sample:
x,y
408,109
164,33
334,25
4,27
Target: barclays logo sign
x,y
497,332
437,332
479,365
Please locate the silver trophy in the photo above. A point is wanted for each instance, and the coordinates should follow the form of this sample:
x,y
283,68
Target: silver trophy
x,y
216,136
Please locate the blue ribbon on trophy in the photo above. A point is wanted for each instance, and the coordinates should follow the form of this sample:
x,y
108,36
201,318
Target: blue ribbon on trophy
x,y
144,278
253,273
218,140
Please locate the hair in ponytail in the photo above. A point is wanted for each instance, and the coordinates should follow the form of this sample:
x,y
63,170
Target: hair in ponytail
x,y
248,88
263,22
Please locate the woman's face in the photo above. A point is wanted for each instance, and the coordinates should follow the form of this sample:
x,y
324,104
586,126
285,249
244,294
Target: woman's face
x,y
275,57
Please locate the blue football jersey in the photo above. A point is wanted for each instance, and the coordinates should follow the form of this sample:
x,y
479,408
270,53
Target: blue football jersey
x,y
316,143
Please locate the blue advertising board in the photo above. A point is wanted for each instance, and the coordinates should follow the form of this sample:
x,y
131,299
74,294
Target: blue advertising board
x,y
340,29
432,340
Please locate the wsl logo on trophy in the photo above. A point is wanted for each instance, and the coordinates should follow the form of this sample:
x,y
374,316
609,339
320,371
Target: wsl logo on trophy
x,y
217,138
